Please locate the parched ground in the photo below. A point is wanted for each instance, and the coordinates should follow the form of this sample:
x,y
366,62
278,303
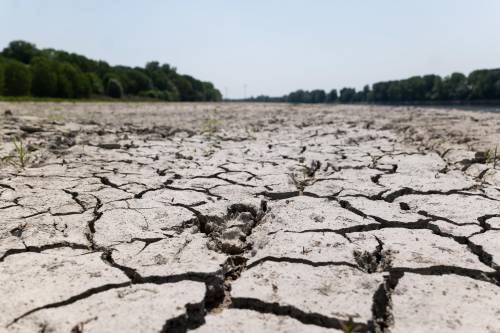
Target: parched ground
x,y
248,218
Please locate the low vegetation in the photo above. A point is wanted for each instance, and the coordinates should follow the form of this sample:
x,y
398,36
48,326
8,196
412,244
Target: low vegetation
x,y
211,126
492,157
20,157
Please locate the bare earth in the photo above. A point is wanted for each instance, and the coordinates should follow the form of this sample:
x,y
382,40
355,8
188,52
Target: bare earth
x,y
249,218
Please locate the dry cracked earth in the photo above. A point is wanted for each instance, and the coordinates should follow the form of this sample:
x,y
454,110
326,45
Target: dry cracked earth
x,y
248,218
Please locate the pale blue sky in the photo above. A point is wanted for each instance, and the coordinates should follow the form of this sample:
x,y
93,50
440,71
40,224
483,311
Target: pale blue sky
x,y
273,46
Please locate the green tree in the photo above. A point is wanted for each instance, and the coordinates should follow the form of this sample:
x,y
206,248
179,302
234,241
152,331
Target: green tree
x,y
210,93
379,91
95,82
299,96
367,94
483,83
114,89
21,51
72,83
318,96
394,92
430,81
137,82
347,95
70,75
414,89
186,91
159,76
79,84
332,96
44,78
497,89
1,79
456,86
17,79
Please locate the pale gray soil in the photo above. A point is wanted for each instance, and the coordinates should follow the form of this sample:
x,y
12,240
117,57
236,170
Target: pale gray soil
x,y
248,218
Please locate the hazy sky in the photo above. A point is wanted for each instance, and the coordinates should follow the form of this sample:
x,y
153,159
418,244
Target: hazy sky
x,y
271,46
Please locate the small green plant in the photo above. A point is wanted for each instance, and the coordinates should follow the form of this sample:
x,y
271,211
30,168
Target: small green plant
x,y
211,126
250,132
491,157
348,326
20,157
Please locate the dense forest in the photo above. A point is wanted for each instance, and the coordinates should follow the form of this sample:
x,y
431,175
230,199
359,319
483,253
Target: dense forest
x,y
26,70
480,85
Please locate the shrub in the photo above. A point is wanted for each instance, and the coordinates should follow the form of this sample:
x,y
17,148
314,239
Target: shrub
x,y
64,88
96,86
153,93
44,78
71,82
1,79
17,79
114,89
137,81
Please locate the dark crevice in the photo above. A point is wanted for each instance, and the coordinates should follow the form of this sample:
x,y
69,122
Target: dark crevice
x,y
74,196
440,270
141,194
341,231
383,318
131,273
213,294
72,299
308,318
40,249
300,261
274,196
107,182
7,187
220,298
409,191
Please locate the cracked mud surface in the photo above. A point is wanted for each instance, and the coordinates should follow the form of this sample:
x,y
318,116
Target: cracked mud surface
x,y
137,218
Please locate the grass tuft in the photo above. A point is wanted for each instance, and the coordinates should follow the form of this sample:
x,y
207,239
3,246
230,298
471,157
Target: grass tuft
x,y
21,156
211,126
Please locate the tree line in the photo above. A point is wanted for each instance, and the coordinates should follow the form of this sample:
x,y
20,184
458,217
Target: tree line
x,y
480,85
26,70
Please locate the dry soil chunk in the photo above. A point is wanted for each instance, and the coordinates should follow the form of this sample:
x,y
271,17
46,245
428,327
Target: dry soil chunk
x,y
332,291
419,249
311,246
246,321
445,304
305,213
138,308
178,255
489,241
31,280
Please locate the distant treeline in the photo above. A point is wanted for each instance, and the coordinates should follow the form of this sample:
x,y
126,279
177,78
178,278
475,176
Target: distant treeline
x,y
480,85
26,70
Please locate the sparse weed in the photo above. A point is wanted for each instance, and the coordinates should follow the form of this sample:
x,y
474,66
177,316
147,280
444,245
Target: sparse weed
x,y
250,131
20,157
211,126
491,157
348,326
